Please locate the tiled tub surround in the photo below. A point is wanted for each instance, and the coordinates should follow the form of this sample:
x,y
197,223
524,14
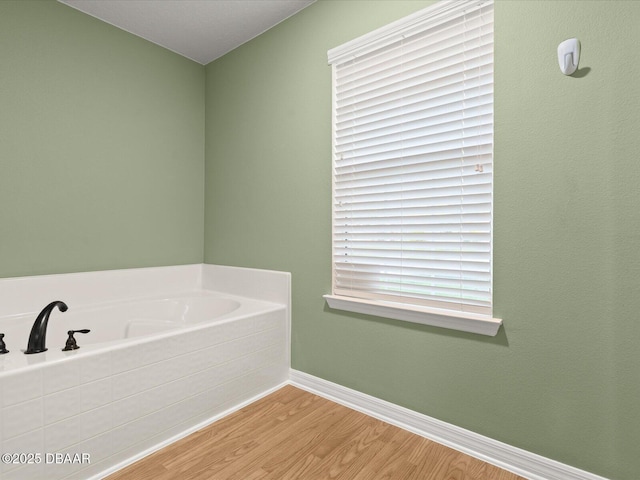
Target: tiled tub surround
x,y
116,399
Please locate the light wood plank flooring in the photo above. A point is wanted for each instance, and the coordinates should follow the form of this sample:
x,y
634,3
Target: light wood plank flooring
x,y
293,434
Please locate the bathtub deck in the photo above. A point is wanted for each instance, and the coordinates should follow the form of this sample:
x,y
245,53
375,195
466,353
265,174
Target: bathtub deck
x,y
293,434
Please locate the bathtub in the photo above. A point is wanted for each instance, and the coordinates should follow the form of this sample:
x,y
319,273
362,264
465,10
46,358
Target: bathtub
x,y
170,349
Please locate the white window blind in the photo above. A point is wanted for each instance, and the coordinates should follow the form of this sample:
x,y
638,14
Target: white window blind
x,y
413,155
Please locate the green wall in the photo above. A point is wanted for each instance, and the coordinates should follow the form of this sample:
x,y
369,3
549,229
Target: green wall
x,y
101,146
562,378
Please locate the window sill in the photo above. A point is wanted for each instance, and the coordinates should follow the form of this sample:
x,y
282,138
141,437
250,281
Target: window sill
x,y
466,322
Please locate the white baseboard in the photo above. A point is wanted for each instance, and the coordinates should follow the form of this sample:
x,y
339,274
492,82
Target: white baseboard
x,y
507,457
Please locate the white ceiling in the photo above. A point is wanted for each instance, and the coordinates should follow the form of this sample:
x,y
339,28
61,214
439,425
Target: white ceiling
x,y
201,30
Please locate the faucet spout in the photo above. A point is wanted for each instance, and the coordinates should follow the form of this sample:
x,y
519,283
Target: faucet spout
x,y
38,336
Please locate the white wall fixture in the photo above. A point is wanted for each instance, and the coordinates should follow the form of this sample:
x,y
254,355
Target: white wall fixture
x,y
569,55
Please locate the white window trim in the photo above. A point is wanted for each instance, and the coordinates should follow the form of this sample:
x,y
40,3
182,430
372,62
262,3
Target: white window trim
x,y
465,322
451,319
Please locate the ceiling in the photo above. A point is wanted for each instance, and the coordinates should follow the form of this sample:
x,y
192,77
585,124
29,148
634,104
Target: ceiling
x,y
201,30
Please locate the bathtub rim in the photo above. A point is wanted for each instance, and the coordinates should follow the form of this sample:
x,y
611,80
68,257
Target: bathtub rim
x,y
20,363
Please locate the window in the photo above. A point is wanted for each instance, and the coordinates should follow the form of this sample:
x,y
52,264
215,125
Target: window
x,y
413,169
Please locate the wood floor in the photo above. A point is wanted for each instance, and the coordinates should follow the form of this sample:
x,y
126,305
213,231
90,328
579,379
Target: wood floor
x,y
293,434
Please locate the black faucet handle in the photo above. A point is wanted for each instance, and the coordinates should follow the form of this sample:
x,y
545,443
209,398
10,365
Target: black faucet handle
x,y
3,347
71,341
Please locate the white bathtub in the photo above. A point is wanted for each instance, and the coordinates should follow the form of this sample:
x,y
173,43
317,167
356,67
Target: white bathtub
x,y
170,349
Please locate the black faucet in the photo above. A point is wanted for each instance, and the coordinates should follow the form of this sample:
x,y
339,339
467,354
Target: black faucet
x,y
38,336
